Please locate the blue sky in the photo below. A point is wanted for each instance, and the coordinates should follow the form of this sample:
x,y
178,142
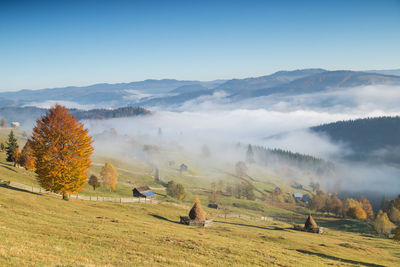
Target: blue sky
x,y
61,43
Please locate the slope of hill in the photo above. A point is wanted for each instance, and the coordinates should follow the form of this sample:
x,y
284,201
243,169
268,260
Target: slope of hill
x,y
27,115
377,138
41,229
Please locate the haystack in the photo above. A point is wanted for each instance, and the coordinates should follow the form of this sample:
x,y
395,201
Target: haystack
x,y
197,213
310,224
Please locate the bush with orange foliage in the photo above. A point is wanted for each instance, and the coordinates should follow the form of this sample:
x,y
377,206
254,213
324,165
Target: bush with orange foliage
x,y
62,149
357,213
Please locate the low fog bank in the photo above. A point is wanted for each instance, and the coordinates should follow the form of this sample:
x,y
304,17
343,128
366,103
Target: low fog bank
x,y
186,132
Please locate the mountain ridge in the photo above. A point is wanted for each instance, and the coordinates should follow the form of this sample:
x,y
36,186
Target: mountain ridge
x,y
167,92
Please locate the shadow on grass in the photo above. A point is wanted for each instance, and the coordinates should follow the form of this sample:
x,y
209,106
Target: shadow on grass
x,y
163,218
347,225
5,166
256,226
19,189
338,259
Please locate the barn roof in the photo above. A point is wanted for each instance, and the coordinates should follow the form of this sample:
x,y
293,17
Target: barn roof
x,y
298,195
142,189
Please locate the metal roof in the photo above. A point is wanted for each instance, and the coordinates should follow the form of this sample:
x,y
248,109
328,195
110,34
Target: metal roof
x,y
298,195
148,193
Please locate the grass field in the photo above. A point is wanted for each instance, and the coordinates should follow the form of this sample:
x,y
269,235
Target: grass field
x,y
44,230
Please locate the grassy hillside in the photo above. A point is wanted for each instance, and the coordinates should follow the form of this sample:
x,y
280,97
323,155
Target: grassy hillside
x,y
44,230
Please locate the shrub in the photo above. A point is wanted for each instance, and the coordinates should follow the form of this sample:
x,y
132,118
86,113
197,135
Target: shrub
x,y
357,213
382,224
175,190
397,234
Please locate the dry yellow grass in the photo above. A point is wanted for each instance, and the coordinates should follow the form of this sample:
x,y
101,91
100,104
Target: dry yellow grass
x,y
45,230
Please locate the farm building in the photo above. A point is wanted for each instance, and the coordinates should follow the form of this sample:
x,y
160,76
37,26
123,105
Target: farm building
x,y
15,124
298,195
306,198
143,191
183,167
213,206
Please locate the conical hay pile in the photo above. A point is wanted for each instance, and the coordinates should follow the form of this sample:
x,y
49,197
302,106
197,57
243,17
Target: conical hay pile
x,y
197,213
310,223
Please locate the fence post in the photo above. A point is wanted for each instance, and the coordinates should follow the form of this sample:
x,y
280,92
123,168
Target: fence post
x,y
77,195
32,187
120,200
97,198
90,197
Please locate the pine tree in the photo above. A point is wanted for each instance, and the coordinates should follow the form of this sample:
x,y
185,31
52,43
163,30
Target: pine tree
x,y
109,175
157,175
11,145
250,155
62,149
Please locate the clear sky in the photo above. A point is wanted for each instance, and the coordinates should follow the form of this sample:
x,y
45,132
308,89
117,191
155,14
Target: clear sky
x,y
60,43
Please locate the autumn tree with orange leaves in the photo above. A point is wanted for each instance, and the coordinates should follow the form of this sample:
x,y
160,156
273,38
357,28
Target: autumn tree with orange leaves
x,y
27,160
62,149
109,175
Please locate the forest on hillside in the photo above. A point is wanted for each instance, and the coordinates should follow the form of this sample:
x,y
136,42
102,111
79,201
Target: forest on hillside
x,y
109,113
26,116
371,138
275,157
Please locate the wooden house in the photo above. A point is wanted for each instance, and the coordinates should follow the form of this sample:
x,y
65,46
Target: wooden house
x,y
143,192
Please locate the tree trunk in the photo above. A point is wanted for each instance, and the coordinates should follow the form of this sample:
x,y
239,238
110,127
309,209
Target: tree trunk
x,y
65,196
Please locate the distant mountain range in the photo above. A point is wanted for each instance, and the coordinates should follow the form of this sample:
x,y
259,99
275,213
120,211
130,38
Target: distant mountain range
x,y
172,93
